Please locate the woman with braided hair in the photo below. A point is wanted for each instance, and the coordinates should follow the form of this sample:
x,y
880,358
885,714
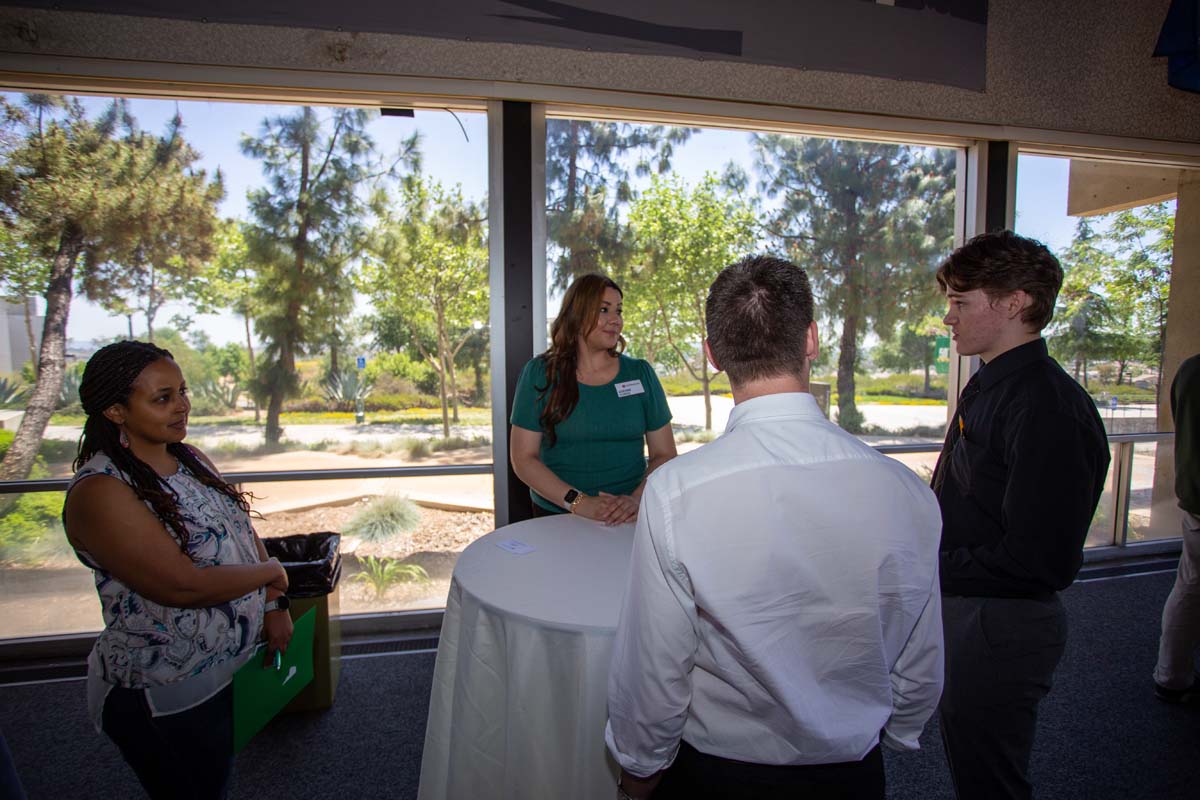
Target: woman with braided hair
x,y
185,585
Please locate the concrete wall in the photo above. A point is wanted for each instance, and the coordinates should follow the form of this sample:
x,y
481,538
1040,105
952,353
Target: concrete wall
x,y
1081,66
14,340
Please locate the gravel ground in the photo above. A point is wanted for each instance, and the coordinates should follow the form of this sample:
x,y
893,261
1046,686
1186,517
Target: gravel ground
x,y
434,545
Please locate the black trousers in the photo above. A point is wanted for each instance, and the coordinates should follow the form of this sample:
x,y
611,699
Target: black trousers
x,y
1000,659
10,783
699,776
184,756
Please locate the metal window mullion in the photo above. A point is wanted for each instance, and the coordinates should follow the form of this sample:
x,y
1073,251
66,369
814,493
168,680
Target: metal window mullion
x,y
1122,483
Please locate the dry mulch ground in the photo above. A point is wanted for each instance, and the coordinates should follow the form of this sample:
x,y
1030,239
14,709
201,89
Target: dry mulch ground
x,y
434,545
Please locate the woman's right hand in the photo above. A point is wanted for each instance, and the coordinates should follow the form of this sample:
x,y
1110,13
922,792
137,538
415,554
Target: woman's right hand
x,y
280,580
606,508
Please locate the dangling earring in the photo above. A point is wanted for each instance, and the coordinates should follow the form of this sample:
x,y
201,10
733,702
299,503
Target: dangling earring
x,y
123,439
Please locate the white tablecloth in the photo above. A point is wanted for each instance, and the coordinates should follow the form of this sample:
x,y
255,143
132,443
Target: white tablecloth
x,y
520,687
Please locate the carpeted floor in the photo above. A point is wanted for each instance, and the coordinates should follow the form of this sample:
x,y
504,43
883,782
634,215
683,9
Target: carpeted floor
x,y
1102,735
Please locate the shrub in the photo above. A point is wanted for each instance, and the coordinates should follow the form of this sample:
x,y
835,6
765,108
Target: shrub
x,y
458,443
49,450
32,529
58,451
682,384
13,393
417,448
400,401
688,435
384,517
381,573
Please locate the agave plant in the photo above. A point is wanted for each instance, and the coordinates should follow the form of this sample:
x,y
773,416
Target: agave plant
x,y
345,387
69,393
217,393
381,573
12,392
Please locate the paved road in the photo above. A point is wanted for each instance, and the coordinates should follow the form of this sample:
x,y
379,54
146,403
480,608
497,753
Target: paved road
x,y
690,411
685,411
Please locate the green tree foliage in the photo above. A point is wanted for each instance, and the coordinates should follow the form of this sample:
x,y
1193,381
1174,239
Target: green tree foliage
x,y
869,222
307,228
913,346
686,236
228,282
83,193
169,247
427,277
588,183
1081,332
1140,285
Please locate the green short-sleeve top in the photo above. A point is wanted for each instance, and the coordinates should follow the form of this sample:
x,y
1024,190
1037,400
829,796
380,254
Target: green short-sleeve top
x,y
600,446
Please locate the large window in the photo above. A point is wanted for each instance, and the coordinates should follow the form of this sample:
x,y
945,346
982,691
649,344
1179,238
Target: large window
x,y
320,273
1112,225
662,209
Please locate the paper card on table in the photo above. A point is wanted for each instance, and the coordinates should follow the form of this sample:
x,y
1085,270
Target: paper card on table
x,y
515,546
259,693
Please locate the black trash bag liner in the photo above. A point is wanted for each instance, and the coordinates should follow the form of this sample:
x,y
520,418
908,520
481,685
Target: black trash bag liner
x,y
312,561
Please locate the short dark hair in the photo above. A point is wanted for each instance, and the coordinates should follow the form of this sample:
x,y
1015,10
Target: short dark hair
x,y
758,314
1002,262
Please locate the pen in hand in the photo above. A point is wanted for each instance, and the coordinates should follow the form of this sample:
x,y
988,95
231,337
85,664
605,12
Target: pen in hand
x,y
278,661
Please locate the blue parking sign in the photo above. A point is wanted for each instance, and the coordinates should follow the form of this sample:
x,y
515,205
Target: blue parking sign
x,y
362,362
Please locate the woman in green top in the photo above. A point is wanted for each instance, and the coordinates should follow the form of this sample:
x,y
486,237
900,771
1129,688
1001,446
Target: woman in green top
x,y
582,411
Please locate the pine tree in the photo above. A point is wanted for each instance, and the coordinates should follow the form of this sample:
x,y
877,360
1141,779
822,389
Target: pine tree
x,y
869,222
308,226
588,168
85,192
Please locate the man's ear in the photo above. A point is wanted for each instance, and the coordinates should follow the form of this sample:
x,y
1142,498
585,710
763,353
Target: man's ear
x,y
709,355
115,414
1016,303
812,347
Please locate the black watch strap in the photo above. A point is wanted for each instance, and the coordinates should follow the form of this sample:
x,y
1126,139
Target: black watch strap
x,y
281,603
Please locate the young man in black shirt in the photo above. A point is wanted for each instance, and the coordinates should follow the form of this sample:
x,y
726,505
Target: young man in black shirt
x,y
1024,464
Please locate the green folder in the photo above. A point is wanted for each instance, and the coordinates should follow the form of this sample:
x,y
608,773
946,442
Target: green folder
x,y
259,693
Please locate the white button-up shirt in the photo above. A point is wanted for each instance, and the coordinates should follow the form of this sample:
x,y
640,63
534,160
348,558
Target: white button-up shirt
x,y
783,603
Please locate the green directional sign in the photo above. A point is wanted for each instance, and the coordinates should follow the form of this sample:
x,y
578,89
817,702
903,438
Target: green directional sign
x,y
942,362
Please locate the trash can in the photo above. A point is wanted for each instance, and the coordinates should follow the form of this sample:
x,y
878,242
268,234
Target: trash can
x,y
313,566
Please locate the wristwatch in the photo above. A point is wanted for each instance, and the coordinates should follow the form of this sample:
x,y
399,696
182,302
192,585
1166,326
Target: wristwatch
x,y
281,603
572,497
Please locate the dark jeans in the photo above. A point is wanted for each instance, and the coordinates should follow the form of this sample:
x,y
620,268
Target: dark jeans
x,y
699,776
1000,659
10,783
184,756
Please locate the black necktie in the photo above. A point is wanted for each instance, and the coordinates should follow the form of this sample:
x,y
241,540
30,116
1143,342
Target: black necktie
x,y
955,433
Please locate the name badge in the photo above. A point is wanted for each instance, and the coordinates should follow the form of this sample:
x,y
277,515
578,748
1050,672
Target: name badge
x,y
630,388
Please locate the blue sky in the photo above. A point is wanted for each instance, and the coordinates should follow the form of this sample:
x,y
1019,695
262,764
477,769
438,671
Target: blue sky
x,y
216,128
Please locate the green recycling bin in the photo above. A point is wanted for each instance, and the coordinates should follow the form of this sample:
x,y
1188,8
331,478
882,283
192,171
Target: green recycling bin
x,y
314,566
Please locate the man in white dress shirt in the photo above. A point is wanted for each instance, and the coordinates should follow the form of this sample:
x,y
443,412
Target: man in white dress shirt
x,y
783,615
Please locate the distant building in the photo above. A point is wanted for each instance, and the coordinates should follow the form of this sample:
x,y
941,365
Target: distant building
x,y
14,340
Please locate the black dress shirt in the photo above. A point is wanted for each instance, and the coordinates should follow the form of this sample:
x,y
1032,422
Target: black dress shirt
x,y
1024,464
